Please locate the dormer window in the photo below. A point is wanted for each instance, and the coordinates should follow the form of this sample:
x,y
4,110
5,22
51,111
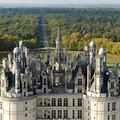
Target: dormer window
x,y
24,84
112,94
112,85
79,81
113,106
24,94
34,81
79,90
45,81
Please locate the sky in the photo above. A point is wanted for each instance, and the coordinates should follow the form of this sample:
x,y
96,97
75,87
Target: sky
x,y
60,1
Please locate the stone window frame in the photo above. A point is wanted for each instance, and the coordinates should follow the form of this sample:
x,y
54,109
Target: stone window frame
x,y
73,102
59,101
59,113
79,81
65,101
113,106
114,117
53,113
79,114
65,114
79,101
53,101
108,106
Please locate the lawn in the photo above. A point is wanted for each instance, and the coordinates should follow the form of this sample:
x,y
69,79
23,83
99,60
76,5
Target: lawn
x,y
112,59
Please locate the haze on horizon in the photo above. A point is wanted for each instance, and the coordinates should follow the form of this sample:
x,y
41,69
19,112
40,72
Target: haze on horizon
x,y
65,2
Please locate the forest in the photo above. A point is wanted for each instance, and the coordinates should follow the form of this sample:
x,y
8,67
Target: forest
x,y
78,27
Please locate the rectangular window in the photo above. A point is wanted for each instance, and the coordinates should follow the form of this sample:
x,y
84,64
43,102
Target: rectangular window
x,y
79,90
59,113
108,117
113,117
80,114
44,90
73,114
24,84
108,106
53,113
73,102
65,102
79,81
26,115
24,93
112,85
65,114
45,81
113,106
79,102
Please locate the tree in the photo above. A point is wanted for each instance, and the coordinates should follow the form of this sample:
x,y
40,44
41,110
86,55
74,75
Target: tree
x,y
87,37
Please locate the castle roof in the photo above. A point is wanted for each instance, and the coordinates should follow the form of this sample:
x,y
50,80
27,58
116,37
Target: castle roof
x,y
16,50
101,51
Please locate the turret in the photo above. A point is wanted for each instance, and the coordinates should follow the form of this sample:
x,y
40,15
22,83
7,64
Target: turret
x,y
88,77
102,54
21,45
98,74
10,60
86,53
17,80
16,54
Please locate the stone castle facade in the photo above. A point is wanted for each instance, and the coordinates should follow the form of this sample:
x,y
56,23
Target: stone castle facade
x,y
60,88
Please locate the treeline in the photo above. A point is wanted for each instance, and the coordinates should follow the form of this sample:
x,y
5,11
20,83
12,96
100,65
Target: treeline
x,y
16,27
75,42
78,26
97,22
8,42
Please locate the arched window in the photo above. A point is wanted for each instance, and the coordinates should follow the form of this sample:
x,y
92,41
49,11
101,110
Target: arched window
x,y
47,114
65,102
46,102
53,102
59,101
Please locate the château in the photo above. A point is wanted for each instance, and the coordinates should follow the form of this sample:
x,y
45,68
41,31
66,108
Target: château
x,y
60,87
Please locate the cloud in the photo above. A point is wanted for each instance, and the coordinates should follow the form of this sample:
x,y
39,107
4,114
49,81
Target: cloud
x,y
62,1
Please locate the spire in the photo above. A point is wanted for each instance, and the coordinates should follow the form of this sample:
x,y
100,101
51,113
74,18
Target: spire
x,y
58,44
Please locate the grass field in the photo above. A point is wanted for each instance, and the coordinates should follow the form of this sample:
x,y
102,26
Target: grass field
x,y
112,59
